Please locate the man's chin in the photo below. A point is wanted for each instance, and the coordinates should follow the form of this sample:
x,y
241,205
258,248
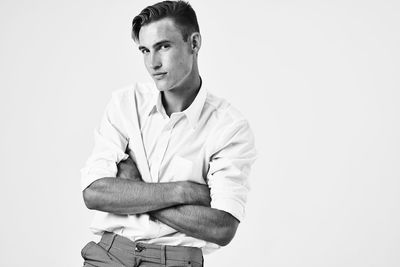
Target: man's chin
x,y
161,86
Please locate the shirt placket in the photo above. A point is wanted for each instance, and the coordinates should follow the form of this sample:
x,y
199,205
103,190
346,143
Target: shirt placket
x,y
162,146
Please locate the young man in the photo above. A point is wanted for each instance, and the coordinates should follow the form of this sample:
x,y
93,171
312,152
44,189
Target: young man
x,y
168,176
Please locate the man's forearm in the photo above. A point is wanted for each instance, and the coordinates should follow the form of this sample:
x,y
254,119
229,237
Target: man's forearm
x,y
201,222
127,196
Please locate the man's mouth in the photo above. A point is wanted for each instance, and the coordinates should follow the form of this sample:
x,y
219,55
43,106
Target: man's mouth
x,y
159,75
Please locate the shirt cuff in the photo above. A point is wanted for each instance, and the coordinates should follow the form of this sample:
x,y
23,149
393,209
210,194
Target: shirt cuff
x,y
88,178
92,173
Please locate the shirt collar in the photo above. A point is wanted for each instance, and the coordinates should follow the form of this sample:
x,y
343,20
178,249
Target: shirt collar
x,y
192,113
157,105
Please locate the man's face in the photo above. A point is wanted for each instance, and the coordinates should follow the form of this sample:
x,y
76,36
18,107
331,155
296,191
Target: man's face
x,y
167,57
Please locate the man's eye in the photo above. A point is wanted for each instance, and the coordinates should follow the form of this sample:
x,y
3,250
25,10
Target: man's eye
x,y
164,47
144,51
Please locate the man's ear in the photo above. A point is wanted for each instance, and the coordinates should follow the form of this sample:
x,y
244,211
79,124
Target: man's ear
x,y
195,42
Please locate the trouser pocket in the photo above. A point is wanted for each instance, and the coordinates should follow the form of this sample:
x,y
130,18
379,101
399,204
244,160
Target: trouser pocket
x,y
86,248
96,255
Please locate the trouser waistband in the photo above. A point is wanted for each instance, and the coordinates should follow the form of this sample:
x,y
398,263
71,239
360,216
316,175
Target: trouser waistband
x,y
163,252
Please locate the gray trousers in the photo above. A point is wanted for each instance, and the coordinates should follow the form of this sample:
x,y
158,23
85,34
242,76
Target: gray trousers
x,y
117,251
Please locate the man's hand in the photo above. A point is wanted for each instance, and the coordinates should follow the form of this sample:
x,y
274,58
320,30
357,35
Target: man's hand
x,y
127,169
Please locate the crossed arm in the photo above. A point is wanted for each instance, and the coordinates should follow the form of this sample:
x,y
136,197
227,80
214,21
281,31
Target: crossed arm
x,y
185,206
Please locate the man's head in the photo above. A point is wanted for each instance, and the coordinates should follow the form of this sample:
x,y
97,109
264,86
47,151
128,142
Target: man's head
x,y
168,36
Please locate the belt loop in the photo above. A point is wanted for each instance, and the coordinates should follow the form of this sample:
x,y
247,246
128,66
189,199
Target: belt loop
x,y
163,255
111,241
136,261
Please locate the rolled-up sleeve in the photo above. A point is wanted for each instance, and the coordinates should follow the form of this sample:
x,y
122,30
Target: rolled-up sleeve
x,y
109,148
229,169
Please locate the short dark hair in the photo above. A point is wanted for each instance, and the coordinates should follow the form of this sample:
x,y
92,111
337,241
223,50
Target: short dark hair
x,y
179,11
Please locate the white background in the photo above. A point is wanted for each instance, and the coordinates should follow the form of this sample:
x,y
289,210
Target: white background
x,y
318,81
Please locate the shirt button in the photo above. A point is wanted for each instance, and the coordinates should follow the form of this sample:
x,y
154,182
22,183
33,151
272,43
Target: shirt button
x,y
139,248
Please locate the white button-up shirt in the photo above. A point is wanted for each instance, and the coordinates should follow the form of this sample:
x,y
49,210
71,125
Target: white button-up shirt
x,y
210,143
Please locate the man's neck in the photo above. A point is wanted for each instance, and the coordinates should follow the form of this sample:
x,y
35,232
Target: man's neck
x,y
179,99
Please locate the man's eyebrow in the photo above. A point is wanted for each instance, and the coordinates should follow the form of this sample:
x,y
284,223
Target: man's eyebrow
x,y
161,43
141,47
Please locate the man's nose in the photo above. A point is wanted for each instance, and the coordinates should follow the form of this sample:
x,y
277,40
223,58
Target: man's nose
x,y
155,61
